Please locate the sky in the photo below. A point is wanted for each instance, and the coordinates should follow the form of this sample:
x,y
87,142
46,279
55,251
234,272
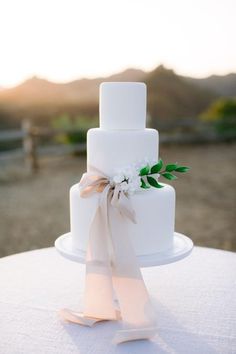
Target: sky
x,y
64,40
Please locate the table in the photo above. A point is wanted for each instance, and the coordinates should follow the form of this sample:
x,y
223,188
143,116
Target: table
x,y
195,302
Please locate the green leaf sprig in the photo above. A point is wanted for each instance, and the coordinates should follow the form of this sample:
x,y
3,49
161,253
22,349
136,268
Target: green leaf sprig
x,y
147,173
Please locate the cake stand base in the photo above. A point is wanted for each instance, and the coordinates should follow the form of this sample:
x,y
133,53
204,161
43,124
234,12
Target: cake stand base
x,y
182,247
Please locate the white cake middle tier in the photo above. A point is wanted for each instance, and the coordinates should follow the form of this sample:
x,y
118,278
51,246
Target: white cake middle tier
x,y
155,215
111,150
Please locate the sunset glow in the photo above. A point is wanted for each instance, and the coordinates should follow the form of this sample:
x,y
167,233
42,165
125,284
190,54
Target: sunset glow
x,y
68,39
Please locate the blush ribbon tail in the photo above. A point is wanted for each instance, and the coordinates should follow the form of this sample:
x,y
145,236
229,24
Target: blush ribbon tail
x,y
112,267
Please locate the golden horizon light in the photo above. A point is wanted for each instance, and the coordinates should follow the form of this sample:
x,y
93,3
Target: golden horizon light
x,y
67,40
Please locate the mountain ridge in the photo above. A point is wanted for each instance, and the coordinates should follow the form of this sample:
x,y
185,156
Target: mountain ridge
x,y
223,85
228,81
170,96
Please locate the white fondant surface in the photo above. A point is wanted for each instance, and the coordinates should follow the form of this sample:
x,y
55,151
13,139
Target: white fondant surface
x,y
155,213
110,150
122,105
121,142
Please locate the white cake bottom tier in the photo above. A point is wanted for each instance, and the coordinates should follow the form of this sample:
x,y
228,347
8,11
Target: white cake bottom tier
x,y
155,214
111,150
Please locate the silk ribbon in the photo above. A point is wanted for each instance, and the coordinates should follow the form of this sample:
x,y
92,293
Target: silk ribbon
x,y
112,267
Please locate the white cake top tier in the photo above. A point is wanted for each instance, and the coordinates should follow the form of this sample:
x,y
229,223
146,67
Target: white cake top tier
x,y
122,105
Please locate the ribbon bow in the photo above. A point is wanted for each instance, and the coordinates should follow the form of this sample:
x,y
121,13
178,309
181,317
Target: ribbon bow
x,y
112,267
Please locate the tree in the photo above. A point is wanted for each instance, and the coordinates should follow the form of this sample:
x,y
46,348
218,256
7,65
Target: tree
x,y
223,115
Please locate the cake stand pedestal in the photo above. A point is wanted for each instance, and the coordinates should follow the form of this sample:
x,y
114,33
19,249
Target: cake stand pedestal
x,y
182,247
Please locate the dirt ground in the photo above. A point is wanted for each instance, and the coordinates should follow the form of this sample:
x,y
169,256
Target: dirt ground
x,y
34,210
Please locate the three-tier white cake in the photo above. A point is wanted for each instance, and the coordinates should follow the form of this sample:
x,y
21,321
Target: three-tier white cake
x,y
122,218
121,141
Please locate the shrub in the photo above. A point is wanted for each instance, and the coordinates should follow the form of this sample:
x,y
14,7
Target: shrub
x,y
79,124
222,113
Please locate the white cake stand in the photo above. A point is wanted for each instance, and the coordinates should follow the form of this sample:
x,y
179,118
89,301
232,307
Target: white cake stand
x,y
182,247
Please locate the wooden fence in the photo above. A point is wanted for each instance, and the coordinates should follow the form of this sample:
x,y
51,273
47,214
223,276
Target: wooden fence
x,y
29,135
182,132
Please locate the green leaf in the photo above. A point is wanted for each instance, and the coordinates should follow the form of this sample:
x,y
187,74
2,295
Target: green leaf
x,y
156,168
169,176
144,171
144,185
154,182
182,169
171,167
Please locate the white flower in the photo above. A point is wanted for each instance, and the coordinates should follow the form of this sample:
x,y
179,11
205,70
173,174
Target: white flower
x,y
129,172
133,187
124,186
128,179
136,183
118,178
157,175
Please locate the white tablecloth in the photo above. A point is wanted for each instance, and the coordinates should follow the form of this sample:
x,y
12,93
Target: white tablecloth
x,y
195,302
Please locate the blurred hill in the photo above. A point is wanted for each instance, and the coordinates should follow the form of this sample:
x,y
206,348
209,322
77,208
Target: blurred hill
x,y
36,90
170,96
41,100
224,86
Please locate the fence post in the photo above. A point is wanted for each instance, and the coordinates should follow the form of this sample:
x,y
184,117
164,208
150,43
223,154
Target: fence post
x,y
29,146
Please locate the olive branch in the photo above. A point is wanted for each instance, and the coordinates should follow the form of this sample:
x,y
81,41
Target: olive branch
x,y
148,173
